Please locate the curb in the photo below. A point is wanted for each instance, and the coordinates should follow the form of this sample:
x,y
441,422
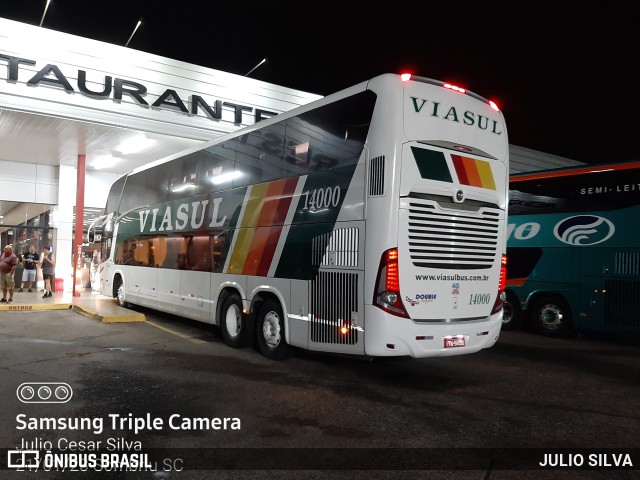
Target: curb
x,y
32,307
129,318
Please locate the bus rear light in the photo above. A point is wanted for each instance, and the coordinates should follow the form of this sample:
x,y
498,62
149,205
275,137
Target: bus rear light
x,y
493,105
344,329
405,77
454,88
502,283
503,274
387,295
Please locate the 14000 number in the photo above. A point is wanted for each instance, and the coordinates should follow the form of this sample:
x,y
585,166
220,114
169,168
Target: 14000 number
x,y
479,299
321,198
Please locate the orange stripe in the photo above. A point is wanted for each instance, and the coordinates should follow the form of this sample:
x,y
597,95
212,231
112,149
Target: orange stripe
x,y
576,171
244,237
472,172
259,241
516,282
273,198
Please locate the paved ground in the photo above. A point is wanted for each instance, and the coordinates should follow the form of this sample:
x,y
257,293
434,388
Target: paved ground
x,y
525,392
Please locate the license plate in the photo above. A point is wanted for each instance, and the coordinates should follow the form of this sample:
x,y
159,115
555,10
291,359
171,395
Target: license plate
x,y
454,342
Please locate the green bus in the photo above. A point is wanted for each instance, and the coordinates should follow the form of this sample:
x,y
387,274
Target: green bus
x,y
573,251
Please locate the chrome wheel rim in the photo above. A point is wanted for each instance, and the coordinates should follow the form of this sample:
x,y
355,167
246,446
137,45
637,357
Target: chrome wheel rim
x,y
271,329
121,294
551,317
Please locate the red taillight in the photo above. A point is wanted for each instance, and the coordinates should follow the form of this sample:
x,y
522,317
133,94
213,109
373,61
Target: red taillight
x,y
502,283
387,295
493,105
503,274
405,77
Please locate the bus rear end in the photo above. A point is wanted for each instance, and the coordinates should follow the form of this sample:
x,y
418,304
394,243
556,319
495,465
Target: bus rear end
x,y
437,289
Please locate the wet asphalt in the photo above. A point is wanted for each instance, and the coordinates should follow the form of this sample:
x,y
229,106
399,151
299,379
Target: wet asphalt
x,y
527,392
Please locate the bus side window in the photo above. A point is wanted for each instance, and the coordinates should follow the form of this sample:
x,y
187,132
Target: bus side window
x,y
215,168
259,156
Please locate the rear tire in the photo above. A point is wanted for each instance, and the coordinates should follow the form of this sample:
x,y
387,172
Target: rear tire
x,y
551,317
234,325
512,316
270,331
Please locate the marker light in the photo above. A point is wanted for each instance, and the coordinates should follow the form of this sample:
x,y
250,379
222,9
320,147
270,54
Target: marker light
x,y
344,330
454,88
405,77
494,106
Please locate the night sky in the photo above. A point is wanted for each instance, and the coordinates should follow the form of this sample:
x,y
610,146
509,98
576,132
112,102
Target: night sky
x,y
563,72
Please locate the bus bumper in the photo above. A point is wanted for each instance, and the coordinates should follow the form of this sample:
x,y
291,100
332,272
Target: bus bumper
x,y
387,335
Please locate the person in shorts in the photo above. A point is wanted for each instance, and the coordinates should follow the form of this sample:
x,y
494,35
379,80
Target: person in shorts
x,y
30,261
48,270
8,265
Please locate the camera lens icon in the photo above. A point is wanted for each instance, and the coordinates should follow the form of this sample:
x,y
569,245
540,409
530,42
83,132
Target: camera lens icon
x,y
44,392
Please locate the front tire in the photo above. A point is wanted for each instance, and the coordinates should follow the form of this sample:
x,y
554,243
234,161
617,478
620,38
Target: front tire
x,y
270,331
234,325
120,293
551,317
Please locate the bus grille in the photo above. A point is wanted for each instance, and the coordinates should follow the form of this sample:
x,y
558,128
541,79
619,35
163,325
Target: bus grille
x,y
334,300
622,303
376,177
445,238
627,263
337,249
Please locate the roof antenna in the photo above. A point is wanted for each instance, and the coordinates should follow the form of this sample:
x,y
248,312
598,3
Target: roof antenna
x,y
134,32
45,12
263,60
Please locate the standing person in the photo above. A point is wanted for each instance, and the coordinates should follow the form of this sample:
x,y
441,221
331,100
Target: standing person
x,y
8,264
94,275
48,270
30,260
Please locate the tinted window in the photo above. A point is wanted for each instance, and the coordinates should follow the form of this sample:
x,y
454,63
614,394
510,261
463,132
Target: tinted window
x,y
115,193
605,190
328,137
215,167
144,188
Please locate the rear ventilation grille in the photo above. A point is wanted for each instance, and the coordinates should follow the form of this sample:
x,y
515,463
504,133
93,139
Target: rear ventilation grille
x,y
627,263
336,249
448,239
622,303
376,177
334,301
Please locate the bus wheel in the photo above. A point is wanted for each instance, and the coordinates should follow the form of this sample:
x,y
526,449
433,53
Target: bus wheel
x,y
120,295
512,316
236,331
270,331
551,317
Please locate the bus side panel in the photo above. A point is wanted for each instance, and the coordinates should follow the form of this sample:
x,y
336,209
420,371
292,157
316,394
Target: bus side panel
x,y
298,316
169,290
195,295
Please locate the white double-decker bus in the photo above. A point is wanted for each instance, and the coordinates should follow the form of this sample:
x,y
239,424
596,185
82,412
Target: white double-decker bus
x,y
370,222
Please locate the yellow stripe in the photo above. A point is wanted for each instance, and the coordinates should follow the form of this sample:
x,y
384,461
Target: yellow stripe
x,y
244,236
177,334
484,170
